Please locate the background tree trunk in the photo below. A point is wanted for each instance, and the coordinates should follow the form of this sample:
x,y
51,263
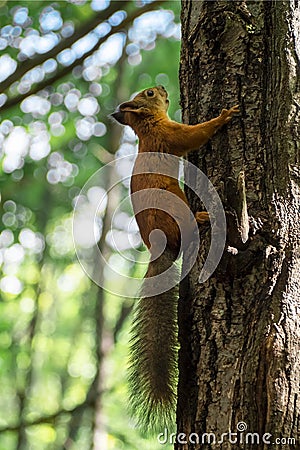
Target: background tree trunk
x,y
239,331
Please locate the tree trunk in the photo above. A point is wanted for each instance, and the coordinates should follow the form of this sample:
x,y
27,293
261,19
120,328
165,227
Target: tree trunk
x,y
239,331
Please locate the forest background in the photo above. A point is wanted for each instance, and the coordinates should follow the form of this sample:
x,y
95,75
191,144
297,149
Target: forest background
x,y
65,66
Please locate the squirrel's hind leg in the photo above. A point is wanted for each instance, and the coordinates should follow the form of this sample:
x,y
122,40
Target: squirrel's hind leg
x,y
202,217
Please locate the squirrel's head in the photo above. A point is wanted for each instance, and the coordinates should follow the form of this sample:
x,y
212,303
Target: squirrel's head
x,y
149,103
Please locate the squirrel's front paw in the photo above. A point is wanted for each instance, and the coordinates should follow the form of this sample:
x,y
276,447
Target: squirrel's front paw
x,y
226,114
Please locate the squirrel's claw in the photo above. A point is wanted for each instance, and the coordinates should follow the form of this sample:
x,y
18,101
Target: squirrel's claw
x,y
227,114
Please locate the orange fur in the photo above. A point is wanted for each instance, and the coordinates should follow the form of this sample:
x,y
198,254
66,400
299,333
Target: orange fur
x,y
147,116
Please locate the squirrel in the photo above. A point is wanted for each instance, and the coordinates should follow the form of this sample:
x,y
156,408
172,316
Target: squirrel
x,y
154,344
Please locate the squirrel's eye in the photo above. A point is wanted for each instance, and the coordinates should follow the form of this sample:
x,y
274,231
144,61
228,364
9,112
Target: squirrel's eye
x,y
150,93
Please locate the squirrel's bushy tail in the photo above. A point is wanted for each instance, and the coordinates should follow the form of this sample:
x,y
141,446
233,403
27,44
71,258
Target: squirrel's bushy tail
x,y
154,348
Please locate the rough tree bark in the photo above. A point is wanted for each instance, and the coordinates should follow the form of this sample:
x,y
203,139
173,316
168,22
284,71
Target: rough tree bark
x,y
239,331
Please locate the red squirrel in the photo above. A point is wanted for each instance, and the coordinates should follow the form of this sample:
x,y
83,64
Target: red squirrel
x,y
154,348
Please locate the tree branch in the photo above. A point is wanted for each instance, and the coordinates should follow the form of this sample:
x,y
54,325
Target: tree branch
x,y
66,70
29,64
51,417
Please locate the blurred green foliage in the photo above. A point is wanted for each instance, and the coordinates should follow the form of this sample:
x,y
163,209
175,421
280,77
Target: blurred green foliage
x,y
64,340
